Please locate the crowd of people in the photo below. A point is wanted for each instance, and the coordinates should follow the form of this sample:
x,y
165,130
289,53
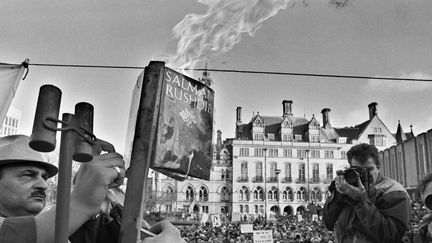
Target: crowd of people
x,y
285,229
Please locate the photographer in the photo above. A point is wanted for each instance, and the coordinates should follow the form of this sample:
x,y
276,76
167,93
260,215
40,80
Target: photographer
x,y
365,205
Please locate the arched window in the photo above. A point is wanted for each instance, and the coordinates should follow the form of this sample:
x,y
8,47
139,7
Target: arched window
x,y
317,195
259,194
170,193
222,174
301,194
290,194
241,208
274,193
189,194
203,194
246,208
225,194
270,195
244,194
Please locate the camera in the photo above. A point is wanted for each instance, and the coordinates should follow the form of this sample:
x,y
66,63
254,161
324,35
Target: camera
x,y
352,173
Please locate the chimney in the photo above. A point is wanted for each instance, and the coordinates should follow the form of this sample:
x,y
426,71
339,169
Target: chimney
x,y
239,128
287,107
238,112
325,116
219,140
373,110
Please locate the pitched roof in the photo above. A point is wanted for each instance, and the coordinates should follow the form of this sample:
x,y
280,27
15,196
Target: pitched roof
x,y
351,133
273,124
400,134
362,126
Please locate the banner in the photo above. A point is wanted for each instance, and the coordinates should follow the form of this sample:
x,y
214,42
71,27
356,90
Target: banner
x,y
216,221
262,236
204,218
10,76
246,228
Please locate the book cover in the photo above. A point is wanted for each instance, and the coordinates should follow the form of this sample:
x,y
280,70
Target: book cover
x,y
183,144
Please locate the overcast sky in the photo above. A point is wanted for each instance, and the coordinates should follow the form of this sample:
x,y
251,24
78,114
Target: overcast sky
x,y
366,37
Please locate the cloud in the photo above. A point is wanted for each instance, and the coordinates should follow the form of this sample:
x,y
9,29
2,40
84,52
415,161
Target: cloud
x,y
402,86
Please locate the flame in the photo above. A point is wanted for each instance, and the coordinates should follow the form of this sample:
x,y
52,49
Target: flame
x,y
220,28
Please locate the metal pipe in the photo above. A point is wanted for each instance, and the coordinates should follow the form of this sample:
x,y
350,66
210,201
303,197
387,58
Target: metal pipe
x,y
265,184
307,164
84,117
42,138
64,180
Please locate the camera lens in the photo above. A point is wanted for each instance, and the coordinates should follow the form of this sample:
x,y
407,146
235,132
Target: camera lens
x,y
428,202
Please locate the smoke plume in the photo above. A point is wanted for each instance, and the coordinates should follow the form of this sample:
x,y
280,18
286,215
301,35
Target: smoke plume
x,y
220,28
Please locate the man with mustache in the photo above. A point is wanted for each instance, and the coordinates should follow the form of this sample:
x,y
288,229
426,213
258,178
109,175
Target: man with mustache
x,y
23,183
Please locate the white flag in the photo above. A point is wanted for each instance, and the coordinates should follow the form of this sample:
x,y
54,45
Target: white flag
x,y
10,76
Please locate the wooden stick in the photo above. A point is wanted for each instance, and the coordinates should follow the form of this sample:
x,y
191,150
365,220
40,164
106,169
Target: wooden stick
x,y
145,132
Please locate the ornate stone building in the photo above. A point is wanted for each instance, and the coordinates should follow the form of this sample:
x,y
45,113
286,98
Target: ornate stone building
x,y
275,164
281,164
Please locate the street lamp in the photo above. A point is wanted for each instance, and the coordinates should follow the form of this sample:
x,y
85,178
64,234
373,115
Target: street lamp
x,y
265,184
277,172
307,179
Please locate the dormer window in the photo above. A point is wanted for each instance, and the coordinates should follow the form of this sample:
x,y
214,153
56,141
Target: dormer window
x,y
258,123
259,136
377,130
287,138
286,124
313,126
271,136
298,137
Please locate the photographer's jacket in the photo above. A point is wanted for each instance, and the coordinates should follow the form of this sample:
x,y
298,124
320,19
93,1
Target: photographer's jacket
x,y
383,217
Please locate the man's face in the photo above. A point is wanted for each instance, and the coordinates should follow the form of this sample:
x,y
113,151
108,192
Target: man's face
x,y
371,166
22,190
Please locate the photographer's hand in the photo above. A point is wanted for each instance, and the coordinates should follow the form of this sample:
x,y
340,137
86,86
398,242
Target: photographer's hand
x,y
344,188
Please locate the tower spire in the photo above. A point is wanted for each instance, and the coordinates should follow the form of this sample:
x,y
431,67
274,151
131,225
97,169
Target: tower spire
x,y
206,79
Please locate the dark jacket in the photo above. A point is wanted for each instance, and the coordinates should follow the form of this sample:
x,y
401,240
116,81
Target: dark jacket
x,y
18,230
383,217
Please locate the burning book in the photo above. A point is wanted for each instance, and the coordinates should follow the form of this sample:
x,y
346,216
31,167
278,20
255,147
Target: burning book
x,y
182,144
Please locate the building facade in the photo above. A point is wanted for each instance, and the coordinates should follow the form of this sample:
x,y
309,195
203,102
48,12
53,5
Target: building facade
x,y
281,164
275,164
11,122
409,160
